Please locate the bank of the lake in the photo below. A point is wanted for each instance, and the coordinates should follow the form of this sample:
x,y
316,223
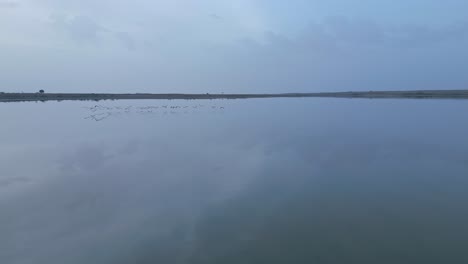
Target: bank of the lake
x,y
420,94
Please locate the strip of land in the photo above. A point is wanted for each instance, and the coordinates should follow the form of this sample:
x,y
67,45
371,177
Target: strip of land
x,y
422,94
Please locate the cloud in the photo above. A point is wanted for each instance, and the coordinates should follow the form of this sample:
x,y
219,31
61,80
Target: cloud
x,y
6,182
126,39
80,28
85,30
342,30
423,35
9,4
215,16
345,54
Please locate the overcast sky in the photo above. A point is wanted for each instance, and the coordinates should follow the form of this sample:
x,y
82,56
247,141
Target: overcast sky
x,y
232,46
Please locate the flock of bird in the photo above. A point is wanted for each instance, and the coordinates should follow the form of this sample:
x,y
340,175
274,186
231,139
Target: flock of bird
x,y
101,112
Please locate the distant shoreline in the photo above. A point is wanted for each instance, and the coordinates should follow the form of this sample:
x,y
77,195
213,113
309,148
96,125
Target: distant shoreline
x,y
420,94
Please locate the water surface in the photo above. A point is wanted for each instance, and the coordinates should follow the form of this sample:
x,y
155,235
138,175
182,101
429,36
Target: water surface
x,y
234,181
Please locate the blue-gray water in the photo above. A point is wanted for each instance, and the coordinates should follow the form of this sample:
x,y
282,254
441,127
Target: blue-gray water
x,y
244,181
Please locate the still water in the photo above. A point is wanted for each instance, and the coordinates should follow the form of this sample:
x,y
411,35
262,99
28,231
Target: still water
x,y
234,181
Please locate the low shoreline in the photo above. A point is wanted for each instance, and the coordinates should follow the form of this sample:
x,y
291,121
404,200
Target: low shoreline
x,y
421,94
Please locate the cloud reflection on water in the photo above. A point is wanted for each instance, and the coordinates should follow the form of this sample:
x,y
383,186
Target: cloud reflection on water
x,y
277,180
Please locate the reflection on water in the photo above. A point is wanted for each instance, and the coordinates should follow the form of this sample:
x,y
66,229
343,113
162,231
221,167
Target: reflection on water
x,y
269,181
101,112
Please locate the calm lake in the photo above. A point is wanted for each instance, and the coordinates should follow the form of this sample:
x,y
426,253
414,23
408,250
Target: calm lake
x,y
234,181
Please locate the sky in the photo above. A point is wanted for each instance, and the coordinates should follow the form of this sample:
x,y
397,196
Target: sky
x,y
242,46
